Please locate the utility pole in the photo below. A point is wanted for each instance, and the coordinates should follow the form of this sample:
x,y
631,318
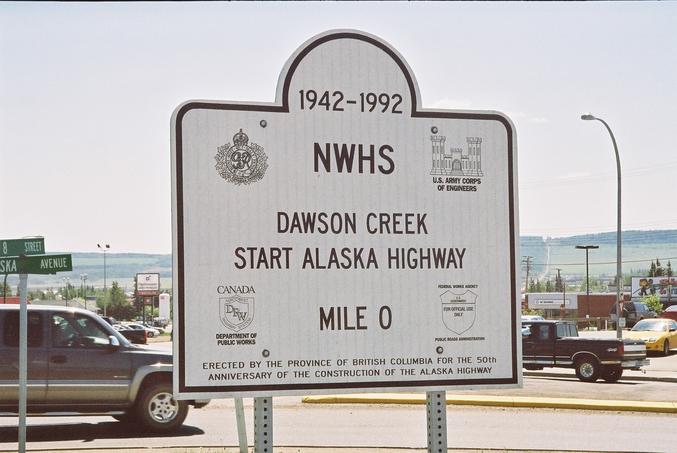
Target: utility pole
x,y
587,248
564,293
527,262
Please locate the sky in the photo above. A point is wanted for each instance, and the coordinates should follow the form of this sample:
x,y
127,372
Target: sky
x,y
87,92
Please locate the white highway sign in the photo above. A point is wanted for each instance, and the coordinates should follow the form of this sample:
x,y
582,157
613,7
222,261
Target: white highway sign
x,y
343,238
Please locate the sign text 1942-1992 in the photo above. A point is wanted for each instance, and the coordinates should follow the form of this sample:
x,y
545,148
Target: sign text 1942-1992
x,y
336,101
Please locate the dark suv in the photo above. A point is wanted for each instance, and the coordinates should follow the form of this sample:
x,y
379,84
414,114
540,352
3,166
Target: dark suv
x,y
79,363
633,312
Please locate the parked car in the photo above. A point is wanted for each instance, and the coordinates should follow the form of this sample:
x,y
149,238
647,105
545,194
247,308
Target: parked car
x,y
658,334
78,363
135,336
633,312
150,326
557,344
526,318
151,332
670,312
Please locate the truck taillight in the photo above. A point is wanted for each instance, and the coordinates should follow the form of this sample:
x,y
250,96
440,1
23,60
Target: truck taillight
x,y
621,349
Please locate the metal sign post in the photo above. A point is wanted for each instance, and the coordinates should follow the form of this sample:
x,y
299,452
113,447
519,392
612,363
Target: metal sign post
x,y
23,359
241,427
382,233
436,411
263,424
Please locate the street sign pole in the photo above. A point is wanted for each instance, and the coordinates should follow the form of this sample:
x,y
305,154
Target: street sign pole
x,y
23,359
436,410
241,427
263,425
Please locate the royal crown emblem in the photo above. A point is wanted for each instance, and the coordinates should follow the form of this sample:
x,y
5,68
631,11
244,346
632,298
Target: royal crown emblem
x,y
242,162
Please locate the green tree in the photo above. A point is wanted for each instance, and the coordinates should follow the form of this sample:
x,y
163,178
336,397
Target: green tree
x,y
116,303
558,284
532,286
549,288
659,272
653,301
5,290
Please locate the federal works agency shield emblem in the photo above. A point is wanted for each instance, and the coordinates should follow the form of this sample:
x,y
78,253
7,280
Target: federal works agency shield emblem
x,y
458,310
242,162
236,312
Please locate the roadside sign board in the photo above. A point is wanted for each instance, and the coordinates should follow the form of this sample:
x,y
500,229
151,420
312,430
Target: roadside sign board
x,y
43,264
343,238
148,284
17,247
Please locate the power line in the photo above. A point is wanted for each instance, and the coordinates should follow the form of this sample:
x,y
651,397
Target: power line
x,y
607,262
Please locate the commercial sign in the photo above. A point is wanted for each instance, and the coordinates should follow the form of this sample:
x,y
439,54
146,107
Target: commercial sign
x,y
17,247
343,237
664,287
148,284
43,264
552,301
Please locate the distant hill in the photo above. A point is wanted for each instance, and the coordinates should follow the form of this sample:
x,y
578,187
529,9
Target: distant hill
x,y
639,248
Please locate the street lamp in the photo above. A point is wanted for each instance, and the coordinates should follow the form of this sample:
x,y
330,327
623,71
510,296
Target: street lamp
x,y
587,274
83,279
105,248
619,274
66,282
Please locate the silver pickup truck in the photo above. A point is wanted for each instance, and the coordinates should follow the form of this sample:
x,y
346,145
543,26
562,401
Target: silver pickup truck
x,y
78,363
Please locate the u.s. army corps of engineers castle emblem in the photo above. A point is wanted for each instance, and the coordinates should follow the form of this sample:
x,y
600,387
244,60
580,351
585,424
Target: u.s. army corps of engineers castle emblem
x,y
242,162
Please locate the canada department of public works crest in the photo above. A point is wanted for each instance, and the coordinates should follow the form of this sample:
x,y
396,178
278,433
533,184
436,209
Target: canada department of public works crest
x,y
458,310
242,162
236,312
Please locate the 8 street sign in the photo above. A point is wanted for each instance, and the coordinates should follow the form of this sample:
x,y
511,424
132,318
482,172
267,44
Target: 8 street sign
x,y
17,247
343,237
46,264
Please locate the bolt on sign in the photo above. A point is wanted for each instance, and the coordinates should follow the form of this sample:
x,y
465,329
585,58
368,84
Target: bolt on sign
x,y
344,237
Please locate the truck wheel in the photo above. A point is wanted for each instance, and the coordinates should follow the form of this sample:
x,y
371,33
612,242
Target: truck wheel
x,y
612,373
587,369
666,348
158,411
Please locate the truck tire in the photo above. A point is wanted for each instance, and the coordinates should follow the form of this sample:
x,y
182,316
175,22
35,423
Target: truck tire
x,y
612,373
587,368
157,410
666,348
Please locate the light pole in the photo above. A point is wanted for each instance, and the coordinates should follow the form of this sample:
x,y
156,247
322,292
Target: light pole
x,y
587,274
66,282
83,279
105,248
619,273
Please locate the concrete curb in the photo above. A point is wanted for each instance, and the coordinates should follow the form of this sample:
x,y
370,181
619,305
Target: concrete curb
x,y
499,401
644,378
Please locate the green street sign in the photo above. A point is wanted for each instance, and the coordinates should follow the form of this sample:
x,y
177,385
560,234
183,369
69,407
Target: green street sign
x,y
45,264
17,247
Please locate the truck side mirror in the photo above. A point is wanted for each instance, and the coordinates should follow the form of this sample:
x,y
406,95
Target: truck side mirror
x,y
113,342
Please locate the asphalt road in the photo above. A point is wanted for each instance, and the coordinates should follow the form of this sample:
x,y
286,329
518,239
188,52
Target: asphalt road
x,y
370,426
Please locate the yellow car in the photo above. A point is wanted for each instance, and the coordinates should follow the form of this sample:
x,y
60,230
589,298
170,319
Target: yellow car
x,y
659,334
